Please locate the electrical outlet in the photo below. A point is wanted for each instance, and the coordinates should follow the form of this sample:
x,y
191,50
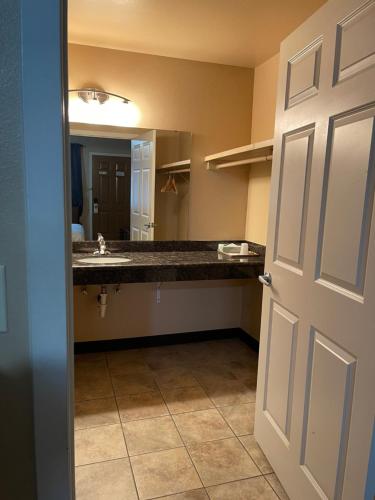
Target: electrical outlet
x,y
158,298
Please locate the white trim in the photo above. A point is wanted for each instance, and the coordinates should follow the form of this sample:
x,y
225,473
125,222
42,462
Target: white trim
x,y
105,131
89,186
103,135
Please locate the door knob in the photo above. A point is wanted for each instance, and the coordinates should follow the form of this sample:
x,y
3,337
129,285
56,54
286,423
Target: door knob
x,y
150,225
265,279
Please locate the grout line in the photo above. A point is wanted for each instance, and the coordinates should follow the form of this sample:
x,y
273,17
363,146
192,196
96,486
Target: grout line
x,y
122,430
158,451
77,401
96,426
158,389
172,415
179,493
233,481
248,453
187,451
273,489
227,421
103,462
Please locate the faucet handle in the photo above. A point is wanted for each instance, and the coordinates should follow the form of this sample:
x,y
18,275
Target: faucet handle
x,y
100,237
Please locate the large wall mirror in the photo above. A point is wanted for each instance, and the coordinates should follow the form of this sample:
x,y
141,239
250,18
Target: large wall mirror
x,y
129,183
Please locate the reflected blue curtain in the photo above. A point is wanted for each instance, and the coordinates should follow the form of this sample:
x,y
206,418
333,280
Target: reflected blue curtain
x,y
76,178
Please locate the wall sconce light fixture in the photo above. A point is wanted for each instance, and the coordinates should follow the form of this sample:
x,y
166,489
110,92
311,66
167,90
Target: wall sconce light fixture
x,y
97,96
96,106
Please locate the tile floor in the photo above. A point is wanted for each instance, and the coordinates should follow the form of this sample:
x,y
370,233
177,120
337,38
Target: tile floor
x,y
173,423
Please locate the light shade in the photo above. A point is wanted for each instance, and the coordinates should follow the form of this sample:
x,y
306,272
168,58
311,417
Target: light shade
x,y
95,106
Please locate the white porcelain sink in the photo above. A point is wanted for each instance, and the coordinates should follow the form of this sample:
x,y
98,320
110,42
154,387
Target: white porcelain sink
x,y
104,260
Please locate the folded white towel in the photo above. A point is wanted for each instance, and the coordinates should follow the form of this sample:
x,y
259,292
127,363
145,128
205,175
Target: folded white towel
x,y
78,232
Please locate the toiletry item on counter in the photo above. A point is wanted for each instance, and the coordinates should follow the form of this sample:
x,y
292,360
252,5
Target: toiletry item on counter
x,y
233,250
78,233
244,249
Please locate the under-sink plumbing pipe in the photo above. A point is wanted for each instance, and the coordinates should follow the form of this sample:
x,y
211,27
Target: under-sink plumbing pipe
x,y
102,301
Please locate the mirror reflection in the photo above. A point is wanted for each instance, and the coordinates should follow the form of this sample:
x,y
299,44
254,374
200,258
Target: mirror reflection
x,y
129,184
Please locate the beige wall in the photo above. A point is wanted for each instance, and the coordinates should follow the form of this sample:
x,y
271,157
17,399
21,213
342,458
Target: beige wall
x,y
183,307
171,210
263,122
212,101
264,102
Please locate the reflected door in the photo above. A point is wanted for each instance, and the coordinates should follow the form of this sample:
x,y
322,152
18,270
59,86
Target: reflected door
x,y
315,396
111,197
143,186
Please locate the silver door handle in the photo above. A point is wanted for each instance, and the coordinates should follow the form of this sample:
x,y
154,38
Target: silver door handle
x,y
265,279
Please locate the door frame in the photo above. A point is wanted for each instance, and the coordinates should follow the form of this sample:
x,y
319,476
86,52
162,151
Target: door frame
x,y
48,282
89,183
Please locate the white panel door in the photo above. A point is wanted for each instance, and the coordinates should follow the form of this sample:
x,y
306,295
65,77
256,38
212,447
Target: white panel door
x,y
142,187
316,397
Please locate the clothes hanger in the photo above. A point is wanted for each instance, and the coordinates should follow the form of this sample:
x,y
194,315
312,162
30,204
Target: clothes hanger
x,y
174,186
170,186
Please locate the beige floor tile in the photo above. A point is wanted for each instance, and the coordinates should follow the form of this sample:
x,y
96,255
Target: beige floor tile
x,y
105,481
130,355
164,473
99,444
144,405
133,383
243,370
256,454
221,461
88,357
129,361
251,384
240,418
256,488
160,351
201,426
188,495
212,375
186,399
176,377
120,367
152,434
231,393
95,412
195,353
163,358
276,485
92,381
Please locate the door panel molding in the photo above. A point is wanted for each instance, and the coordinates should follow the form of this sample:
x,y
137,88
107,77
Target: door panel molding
x,y
295,169
330,376
303,74
341,264
278,393
355,43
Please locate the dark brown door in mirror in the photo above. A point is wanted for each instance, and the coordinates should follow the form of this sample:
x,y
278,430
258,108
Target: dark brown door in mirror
x,y
111,197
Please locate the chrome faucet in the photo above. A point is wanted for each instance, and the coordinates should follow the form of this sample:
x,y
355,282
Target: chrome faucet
x,y
102,246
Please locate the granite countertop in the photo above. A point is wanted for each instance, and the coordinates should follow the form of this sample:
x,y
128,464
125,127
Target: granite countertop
x,y
164,261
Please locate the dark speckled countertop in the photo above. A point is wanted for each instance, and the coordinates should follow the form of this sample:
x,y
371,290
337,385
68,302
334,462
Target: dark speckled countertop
x,y
165,261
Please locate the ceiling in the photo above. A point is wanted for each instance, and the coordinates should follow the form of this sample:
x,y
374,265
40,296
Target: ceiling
x,y
234,32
